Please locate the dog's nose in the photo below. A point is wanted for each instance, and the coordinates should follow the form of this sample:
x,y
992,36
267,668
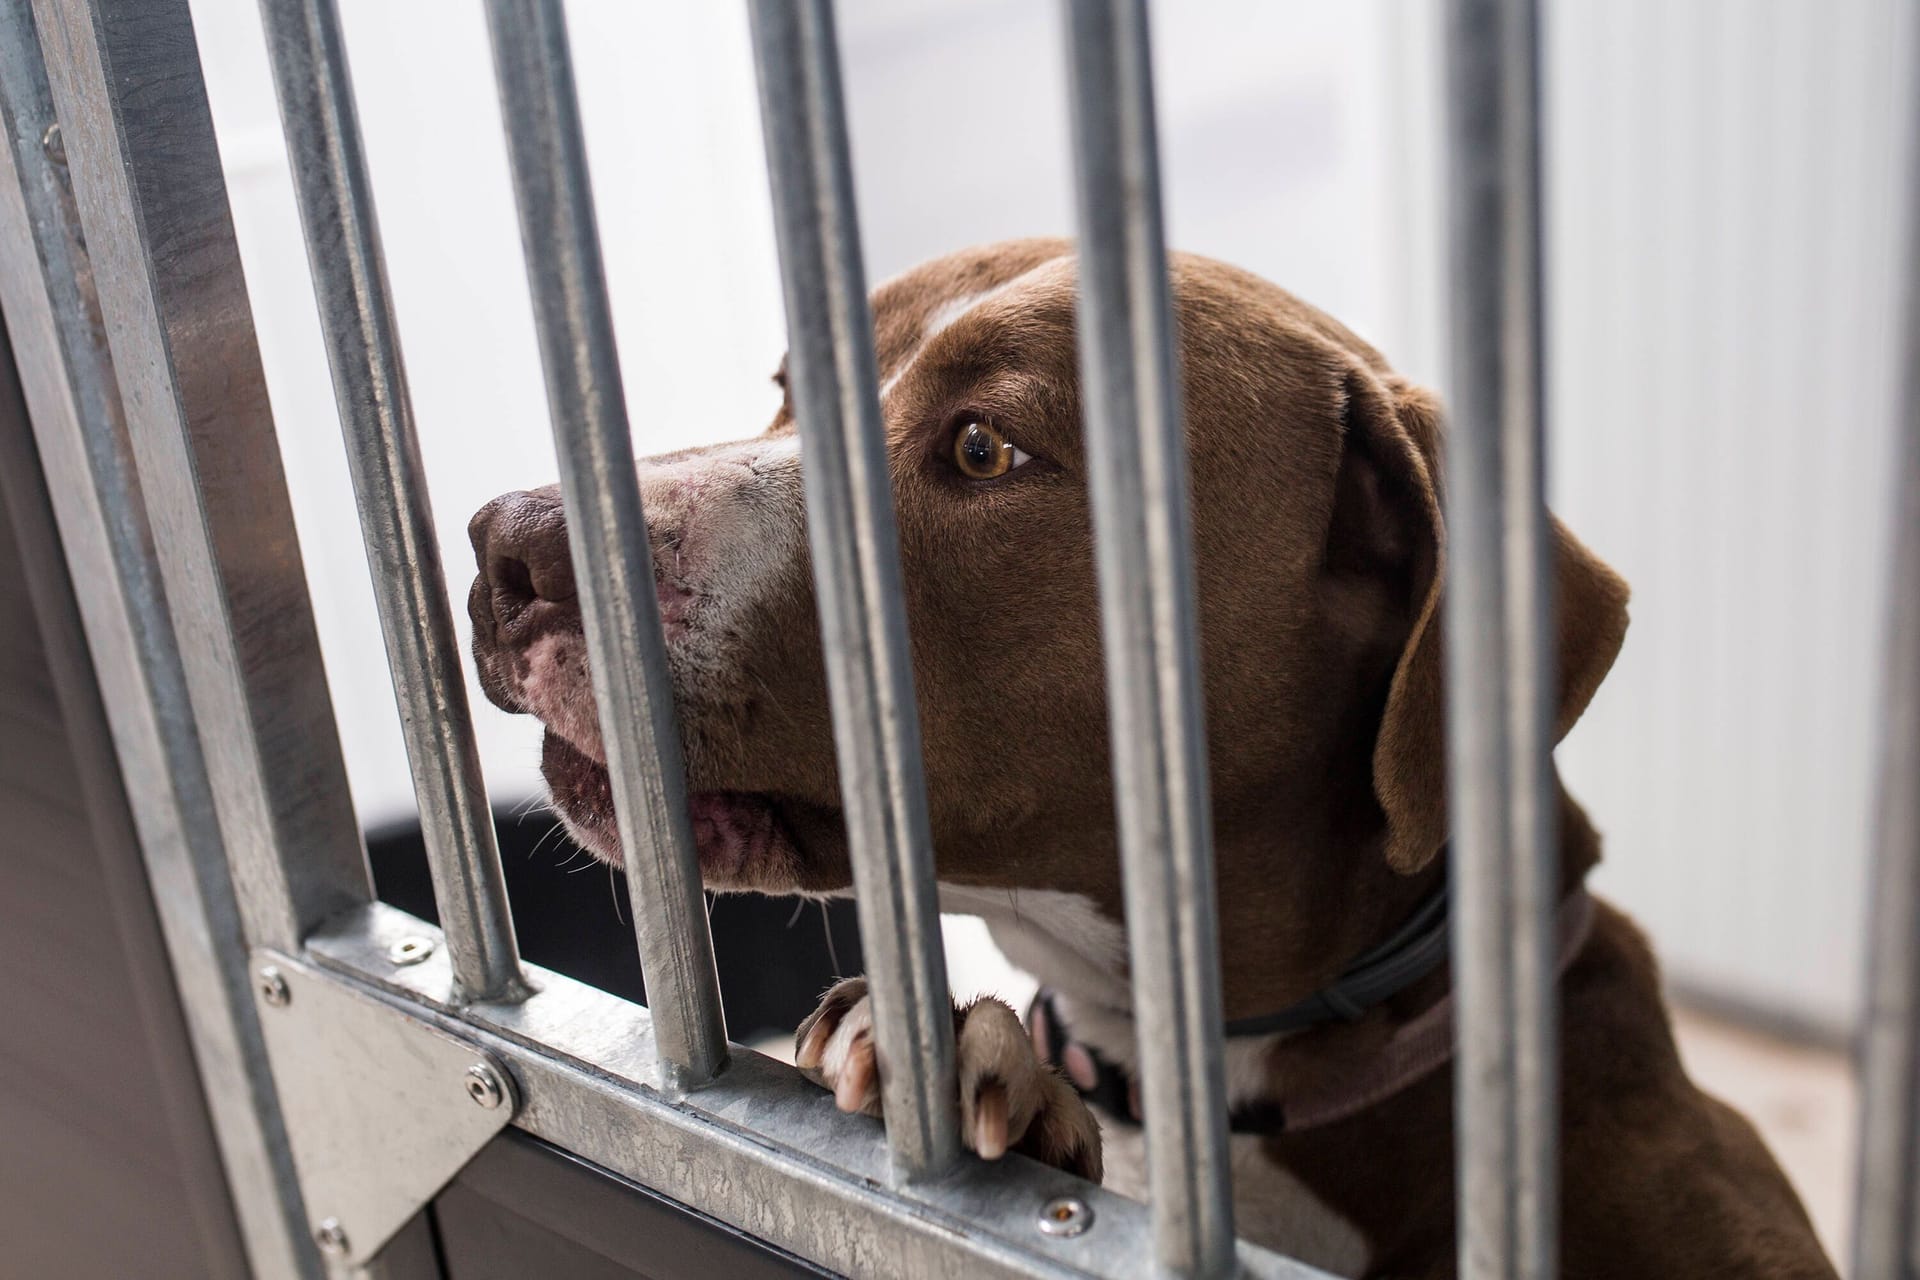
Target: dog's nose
x,y
520,545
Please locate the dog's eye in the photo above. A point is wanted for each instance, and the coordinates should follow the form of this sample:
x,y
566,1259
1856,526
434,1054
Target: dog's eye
x,y
982,453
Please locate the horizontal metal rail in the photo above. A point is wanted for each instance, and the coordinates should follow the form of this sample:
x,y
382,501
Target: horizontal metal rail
x,y
856,567
1500,655
761,1148
390,487
1887,1220
1136,454
612,559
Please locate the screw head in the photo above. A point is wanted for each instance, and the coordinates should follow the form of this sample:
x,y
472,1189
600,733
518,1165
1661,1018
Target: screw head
x,y
331,1237
485,1086
54,144
272,986
1065,1216
411,949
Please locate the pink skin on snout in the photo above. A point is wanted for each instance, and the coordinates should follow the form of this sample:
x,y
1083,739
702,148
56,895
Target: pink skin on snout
x,y
556,685
739,840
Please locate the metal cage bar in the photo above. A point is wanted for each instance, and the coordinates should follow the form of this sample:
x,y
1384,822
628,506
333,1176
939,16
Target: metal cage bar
x,y
67,375
856,563
1500,656
612,559
1887,1221
335,199
1136,456
126,83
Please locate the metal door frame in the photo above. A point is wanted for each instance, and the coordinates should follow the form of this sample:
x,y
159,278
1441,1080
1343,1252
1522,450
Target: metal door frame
x,y
122,286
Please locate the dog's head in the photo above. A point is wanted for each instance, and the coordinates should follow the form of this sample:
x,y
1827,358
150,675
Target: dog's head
x,y
1319,551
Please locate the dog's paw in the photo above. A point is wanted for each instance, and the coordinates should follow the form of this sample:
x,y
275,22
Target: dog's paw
x,y
1009,1099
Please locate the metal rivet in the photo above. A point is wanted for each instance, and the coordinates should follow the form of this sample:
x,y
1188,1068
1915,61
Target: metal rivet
x,y
53,144
331,1237
1065,1216
485,1086
411,949
272,986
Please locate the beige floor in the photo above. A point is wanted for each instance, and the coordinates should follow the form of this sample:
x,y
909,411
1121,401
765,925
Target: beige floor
x,y
1802,1099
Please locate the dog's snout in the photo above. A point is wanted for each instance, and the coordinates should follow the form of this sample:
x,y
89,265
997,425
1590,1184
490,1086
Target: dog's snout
x,y
520,545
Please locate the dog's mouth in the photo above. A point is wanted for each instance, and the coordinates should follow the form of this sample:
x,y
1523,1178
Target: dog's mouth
x,y
741,839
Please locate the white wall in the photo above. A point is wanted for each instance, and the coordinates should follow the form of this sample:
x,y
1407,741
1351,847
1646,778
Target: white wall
x,y
1720,273
1724,249
680,188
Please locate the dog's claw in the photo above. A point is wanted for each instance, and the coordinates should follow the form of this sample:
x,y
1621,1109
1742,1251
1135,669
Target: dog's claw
x,y
990,1120
812,1044
853,1091
1009,1099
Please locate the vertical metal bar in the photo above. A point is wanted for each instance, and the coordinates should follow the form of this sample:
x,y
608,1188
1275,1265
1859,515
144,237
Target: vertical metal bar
x,y
54,319
126,83
1500,657
611,556
396,517
1136,455
856,564
1886,1238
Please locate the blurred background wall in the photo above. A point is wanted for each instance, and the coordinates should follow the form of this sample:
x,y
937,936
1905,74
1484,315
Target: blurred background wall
x,y
1722,201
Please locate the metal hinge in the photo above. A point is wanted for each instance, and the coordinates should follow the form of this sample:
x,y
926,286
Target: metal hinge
x,y
381,1108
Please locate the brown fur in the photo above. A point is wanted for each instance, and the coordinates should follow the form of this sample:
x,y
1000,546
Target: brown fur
x,y
1320,557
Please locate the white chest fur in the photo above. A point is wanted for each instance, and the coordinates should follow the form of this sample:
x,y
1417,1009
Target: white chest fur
x,y
1065,941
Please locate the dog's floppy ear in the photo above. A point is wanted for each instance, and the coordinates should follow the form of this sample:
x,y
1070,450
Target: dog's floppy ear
x,y
1399,426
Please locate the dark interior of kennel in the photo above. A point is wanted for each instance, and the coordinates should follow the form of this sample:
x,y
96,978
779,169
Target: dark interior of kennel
x,y
124,1176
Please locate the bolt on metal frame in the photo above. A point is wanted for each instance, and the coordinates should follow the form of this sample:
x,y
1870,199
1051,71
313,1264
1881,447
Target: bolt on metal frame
x,y
179,537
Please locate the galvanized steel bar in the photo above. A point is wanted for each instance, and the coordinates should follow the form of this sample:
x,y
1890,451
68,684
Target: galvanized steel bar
x,y
856,564
396,517
1500,656
59,342
611,556
146,174
1887,1220
1136,457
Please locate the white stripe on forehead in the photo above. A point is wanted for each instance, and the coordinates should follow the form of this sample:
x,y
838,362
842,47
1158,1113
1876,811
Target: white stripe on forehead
x,y
939,320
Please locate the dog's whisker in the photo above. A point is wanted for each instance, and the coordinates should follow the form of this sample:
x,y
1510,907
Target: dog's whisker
x,y
538,844
826,927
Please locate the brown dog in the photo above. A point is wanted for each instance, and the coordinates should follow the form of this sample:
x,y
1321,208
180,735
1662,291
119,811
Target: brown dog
x,y
1320,556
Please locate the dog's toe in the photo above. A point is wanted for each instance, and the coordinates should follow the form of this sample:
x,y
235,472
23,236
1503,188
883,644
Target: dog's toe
x,y
1009,1099
810,1039
834,1048
1064,1133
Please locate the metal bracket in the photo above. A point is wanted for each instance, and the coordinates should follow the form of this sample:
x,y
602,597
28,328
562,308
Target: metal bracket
x,y
381,1108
